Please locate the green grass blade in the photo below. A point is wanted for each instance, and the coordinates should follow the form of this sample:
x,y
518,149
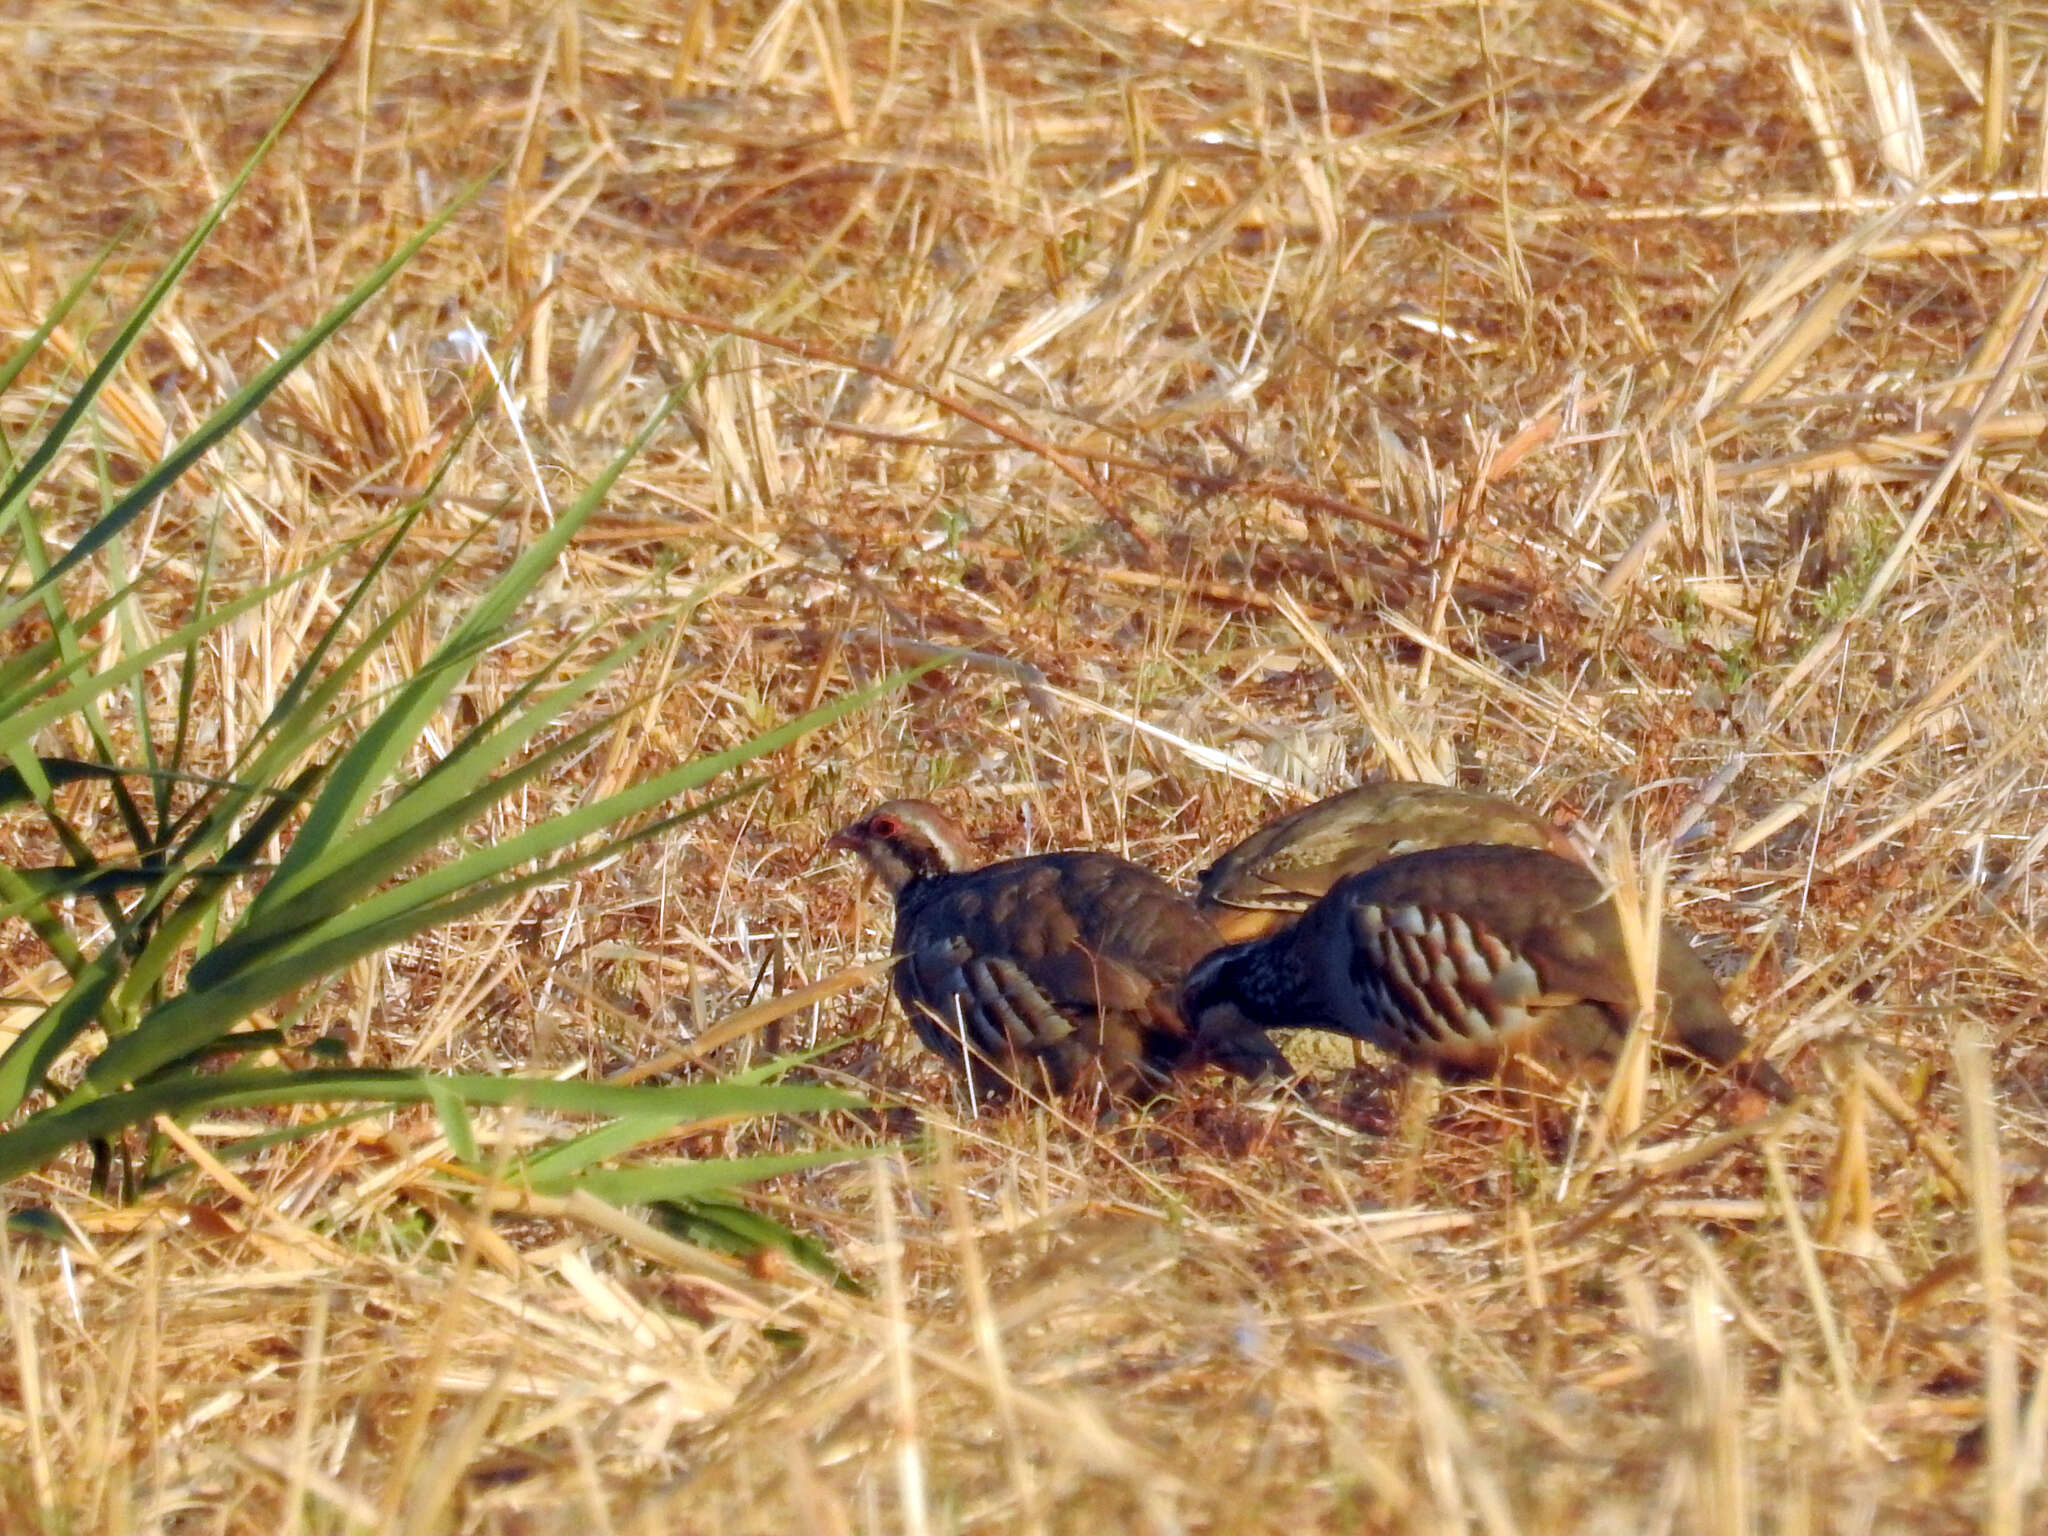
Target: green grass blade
x,y
67,301
30,675
424,816
454,1120
729,1227
232,1152
185,1024
553,1168
684,1180
20,725
29,1056
44,1135
234,411
208,881
45,452
371,762
572,826
445,894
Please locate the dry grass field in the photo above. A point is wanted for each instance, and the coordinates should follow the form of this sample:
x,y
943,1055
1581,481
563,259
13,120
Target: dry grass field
x,y
1631,406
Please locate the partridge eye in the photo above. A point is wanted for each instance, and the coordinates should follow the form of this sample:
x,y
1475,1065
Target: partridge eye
x,y
884,826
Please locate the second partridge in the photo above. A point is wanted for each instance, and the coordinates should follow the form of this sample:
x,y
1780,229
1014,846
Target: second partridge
x,y
1464,958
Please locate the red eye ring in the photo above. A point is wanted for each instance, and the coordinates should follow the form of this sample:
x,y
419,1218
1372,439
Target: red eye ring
x,y
884,826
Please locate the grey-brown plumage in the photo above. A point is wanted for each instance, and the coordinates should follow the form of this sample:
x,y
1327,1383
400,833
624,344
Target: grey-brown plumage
x,y
1272,877
1464,959
1050,972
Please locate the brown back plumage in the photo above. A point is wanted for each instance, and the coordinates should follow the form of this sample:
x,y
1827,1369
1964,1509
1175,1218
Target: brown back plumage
x,y
1273,876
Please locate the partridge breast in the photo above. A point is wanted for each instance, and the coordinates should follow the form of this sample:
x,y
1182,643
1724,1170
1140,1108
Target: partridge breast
x,y
1272,877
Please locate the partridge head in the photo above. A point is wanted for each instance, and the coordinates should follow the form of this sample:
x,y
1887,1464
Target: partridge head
x,y
1272,877
1465,959
1052,971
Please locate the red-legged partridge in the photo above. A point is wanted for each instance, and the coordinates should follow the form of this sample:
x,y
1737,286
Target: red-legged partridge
x,y
1048,972
1464,959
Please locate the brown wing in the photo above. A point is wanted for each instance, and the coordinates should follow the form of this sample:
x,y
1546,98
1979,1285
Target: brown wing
x,y
1284,866
1556,915
1059,968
